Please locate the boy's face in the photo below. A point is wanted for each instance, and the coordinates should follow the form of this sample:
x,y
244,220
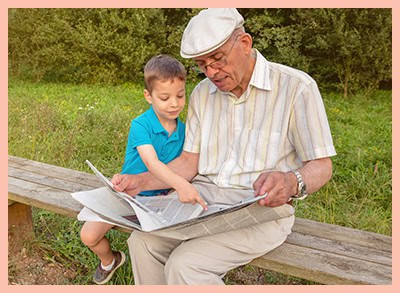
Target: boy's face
x,y
167,99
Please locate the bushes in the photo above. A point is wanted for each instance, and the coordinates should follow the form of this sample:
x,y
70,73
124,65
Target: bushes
x,y
84,45
343,49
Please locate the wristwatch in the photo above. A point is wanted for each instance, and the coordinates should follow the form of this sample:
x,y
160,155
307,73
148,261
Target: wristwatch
x,y
301,187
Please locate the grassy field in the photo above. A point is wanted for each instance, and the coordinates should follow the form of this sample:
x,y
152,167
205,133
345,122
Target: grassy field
x,y
66,124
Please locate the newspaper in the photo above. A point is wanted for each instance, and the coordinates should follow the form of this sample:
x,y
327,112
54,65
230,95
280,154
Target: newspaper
x,y
165,215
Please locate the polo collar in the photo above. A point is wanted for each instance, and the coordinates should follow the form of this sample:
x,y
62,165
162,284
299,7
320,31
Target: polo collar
x,y
155,123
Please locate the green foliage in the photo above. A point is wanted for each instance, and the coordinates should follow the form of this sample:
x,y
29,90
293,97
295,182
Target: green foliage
x,y
276,36
343,49
348,48
84,45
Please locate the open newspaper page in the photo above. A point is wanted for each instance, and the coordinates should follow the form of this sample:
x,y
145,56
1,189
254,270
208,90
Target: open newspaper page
x,y
153,212
166,216
170,208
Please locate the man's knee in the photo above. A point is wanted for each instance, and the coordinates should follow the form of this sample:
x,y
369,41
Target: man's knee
x,y
175,268
179,268
137,241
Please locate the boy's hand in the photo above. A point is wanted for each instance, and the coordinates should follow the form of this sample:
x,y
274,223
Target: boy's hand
x,y
127,183
189,194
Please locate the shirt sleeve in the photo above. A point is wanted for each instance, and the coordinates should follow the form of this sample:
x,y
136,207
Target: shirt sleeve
x,y
193,129
309,127
139,135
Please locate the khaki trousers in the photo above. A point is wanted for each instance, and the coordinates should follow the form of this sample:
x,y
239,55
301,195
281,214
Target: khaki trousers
x,y
205,260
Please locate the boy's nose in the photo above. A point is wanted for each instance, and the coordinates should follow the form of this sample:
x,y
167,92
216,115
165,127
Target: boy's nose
x,y
174,102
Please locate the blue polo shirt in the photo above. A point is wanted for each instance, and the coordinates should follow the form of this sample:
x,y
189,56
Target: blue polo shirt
x,y
147,129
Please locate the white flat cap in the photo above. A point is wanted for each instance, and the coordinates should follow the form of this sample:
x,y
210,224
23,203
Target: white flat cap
x,y
209,30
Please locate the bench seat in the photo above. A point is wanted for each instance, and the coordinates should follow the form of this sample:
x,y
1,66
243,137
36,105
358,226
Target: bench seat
x,y
320,252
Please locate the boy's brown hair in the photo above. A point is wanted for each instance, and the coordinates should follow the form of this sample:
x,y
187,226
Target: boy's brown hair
x,y
162,68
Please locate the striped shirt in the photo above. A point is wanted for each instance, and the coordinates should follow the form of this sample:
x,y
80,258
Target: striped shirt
x,y
277,123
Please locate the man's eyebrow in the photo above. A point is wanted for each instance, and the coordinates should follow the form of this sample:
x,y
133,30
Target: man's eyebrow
x,y
212,56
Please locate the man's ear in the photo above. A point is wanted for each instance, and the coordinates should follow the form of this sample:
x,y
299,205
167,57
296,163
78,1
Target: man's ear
x,y
247,42
148,97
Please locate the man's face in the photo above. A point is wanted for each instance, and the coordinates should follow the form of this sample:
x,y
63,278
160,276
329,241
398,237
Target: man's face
x,y
231,77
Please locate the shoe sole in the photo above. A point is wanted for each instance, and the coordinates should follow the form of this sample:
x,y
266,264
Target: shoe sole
x,y
123,259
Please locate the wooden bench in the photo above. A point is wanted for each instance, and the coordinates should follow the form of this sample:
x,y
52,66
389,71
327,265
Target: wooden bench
x,y
319,252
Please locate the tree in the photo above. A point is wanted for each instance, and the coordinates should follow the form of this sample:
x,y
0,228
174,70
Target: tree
x,y
347,47
276,36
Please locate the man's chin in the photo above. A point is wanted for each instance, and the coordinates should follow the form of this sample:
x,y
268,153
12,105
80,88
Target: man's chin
x,y
223,87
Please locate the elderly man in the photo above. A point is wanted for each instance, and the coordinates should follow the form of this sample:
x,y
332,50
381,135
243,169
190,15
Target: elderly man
x,y
253,127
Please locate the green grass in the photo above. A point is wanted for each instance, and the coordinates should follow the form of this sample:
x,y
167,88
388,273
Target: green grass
x,y
66,124
360,192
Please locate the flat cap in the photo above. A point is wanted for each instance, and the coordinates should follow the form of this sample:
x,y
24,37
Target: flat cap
x,y
209,30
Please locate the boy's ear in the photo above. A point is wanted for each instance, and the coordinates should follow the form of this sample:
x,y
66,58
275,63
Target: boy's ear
x,y
147,96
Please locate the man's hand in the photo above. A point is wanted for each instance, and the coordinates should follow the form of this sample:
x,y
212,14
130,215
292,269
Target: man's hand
x,y
128,183
279,186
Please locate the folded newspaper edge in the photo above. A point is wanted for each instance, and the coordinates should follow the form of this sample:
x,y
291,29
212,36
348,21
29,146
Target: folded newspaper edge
x,y
114,206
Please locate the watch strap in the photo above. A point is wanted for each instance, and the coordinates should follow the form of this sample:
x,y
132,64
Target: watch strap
x,y
301,186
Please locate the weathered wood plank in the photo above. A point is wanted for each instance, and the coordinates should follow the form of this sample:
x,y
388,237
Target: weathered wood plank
x,y
323,267
344,234
343,248
53,171
48,180
42,196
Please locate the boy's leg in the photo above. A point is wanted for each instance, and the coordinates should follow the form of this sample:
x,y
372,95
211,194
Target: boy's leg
x,y
93,235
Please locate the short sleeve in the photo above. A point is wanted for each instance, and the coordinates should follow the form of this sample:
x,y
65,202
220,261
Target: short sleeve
x,y
139,134
193,129
309,127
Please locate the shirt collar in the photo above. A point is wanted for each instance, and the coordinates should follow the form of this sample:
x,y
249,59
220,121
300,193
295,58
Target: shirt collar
x,y
155,123
259,77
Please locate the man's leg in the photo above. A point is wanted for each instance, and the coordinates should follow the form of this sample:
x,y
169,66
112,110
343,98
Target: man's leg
x,y
149,253
205,260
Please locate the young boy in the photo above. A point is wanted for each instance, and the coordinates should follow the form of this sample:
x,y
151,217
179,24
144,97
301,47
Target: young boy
x,y
155,138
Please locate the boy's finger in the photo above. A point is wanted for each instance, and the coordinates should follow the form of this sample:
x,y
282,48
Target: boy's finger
x,y
202,203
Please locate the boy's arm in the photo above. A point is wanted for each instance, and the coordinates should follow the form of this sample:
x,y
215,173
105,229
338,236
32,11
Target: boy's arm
x,y
163,173
186,165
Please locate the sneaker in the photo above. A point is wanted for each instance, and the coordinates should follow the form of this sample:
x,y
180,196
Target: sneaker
x,y
102,276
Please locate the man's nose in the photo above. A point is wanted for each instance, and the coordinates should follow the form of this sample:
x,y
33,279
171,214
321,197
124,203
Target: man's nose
x,y
210,72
